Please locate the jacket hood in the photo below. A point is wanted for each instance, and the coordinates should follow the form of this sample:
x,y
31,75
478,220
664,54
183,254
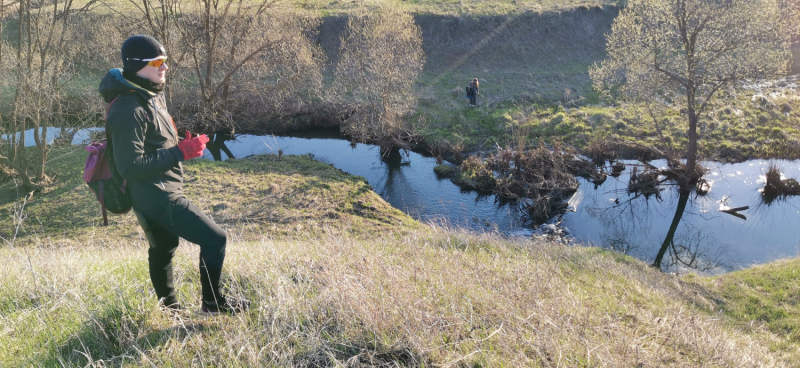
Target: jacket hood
x,y
114,84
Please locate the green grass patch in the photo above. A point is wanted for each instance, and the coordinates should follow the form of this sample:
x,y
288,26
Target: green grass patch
x,y
283,196
761,297
740,132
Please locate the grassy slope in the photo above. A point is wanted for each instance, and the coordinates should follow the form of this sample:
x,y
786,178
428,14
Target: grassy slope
x,y
765,297
269,195
325,294
429,298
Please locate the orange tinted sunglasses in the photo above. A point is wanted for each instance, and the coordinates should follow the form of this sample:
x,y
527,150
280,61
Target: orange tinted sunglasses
x,y
154,62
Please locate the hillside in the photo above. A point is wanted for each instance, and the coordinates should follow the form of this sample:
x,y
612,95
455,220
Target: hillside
x,y
339,278
531,56
533,70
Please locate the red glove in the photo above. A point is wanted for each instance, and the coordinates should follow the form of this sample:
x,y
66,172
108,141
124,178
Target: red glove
x,y
193,147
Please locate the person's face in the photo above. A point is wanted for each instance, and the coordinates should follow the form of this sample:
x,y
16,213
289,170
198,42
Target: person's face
x,y
155,74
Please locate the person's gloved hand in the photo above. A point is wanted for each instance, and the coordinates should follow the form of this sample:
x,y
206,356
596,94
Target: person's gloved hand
x,y
193,147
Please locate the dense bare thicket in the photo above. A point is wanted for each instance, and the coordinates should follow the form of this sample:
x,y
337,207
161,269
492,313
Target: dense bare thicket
x,y
537,178
380,59
38,66
245,62
682,53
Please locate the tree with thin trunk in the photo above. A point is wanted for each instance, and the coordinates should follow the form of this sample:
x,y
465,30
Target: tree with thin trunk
x,y
246,59
41,66
380,59
682,53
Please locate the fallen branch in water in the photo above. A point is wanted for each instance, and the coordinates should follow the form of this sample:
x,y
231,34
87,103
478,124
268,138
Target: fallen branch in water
x,y
735,209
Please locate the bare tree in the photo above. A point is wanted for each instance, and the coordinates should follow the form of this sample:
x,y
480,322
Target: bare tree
x,y
246,58
683,52
42,66
380,59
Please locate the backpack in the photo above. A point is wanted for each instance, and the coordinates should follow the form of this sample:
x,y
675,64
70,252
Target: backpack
x,y
469,91
97,173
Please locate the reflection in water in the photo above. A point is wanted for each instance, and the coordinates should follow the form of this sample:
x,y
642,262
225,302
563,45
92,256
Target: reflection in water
x,y
694,249
690,231
668,241
217,144
394,175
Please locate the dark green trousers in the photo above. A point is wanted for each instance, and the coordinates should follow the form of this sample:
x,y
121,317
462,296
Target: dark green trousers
x,y
164,226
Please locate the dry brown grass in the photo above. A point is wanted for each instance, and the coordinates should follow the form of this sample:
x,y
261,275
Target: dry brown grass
x,y
287,196
434,297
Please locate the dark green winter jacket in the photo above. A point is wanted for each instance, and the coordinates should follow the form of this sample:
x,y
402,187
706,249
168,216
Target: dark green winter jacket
x,y
144,142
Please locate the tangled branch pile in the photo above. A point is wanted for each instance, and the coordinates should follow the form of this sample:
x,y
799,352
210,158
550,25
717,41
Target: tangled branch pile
x,y
539,179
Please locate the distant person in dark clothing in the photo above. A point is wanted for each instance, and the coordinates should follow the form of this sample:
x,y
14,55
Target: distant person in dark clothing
x,y
473,92
147,152
217,143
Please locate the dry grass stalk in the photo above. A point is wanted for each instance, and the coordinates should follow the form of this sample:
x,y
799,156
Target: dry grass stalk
x,y
432,298
776,186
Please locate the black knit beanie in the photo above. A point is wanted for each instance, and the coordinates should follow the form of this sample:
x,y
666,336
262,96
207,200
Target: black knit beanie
x,y
139,47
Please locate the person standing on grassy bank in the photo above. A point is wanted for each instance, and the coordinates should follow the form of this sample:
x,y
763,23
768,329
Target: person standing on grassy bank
x,y
473,92
147,153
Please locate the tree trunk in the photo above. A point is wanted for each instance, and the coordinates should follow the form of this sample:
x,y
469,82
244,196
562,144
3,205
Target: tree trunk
x,y
691,154
43,150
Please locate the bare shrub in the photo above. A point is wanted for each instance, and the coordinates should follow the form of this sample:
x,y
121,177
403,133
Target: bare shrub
x,y
40,66
645,182
537,178
380,59
241,62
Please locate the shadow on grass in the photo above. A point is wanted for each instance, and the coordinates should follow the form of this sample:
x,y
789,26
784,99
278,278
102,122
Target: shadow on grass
x,y
116,336
361,355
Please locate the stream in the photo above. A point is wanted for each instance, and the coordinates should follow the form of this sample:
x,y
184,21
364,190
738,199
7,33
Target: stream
x,y
606,215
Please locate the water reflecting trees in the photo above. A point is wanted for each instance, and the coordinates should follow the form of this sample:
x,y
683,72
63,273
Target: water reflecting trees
x,y
659,223
669,240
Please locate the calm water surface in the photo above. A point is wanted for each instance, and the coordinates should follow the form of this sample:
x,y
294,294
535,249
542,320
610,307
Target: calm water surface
x,y
406,182
609,216
604,215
